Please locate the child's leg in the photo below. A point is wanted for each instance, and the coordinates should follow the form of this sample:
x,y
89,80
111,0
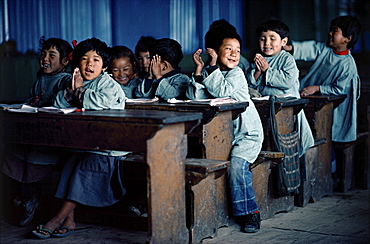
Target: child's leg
x,y
242,192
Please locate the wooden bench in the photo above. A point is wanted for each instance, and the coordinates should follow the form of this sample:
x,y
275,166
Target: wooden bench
x,y
263,185
206,197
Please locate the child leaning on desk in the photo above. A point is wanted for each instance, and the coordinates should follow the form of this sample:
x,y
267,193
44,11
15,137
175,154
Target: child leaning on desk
x,y
334,72
165,79
274,72
223,78
125,70
28,165
88,177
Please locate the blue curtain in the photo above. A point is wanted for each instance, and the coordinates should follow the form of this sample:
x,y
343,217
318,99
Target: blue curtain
x,y
117,22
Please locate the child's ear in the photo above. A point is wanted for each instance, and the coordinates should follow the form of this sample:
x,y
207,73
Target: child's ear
x,y
65,61
348,39
167,65
284,41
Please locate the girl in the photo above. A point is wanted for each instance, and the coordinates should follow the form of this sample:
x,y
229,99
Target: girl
x,y
124,70
85,175
223,78
27,166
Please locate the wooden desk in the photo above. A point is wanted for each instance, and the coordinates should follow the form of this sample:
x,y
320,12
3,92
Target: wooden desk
x,y
319,182
263,183
158,134
284,117
213,138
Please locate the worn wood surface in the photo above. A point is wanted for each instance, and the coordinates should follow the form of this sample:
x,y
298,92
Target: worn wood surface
x,y
207,203
160,135
212,138
319,182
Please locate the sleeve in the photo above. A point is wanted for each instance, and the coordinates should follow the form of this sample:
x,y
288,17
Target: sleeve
x,y
249,75
283,76
142,92
220,86
307,50
108,95
172,87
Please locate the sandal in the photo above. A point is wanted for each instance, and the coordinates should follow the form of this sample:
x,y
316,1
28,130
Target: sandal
x,y
67,233
39,232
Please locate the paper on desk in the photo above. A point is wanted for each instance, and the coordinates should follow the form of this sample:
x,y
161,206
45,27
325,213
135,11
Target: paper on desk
x,y
8,106
56,110
24,109
210,101
29,109
268,97
141,100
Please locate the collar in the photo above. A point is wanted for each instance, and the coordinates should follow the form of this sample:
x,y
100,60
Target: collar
x,y
171,73
345,52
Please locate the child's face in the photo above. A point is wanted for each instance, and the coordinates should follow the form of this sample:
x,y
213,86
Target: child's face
x,y
122,70
144,61
91,65
336,39
50,61
271,43
229,54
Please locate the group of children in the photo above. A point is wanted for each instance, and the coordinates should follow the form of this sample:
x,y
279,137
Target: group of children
x,y
103,77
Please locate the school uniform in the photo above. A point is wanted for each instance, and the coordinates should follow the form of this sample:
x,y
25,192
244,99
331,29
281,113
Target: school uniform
x,y
336,75
93,177
130,88
172,85
28,164
282,77
248,132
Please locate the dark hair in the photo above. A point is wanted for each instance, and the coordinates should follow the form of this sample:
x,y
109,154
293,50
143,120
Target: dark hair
x,y
118,52
92,44
145,44
273,25
169,50
63,47
218,31
350,26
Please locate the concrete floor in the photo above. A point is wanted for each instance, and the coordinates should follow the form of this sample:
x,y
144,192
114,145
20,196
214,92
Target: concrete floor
x,y
341,218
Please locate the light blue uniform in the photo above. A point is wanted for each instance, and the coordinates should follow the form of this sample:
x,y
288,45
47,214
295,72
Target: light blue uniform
x,y
336,75
248,132
173,86
131,87
282,78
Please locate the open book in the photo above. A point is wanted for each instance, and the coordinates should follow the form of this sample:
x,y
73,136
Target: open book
x,y
209,101
29,109
266,98
141,100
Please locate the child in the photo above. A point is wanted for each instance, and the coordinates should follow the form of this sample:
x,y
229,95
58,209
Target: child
x,y
274,72
27,166
168,81
124,70
142,52
334,72
86,174
223,78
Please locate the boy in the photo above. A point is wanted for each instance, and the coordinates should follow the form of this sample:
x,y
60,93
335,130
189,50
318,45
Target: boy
x,y
168,81
334,72
274,72
223,78
142,52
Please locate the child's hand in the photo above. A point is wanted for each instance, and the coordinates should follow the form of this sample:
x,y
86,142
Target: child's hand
x,y
261,63
309,90
77,80
198,61
155,65
35,101
212,53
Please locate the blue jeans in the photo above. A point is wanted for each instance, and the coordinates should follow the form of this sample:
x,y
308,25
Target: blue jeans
x,y
242,193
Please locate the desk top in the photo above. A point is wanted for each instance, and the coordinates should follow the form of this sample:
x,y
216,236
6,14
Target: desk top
x,y
318,101
298,104
125,130
208,111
